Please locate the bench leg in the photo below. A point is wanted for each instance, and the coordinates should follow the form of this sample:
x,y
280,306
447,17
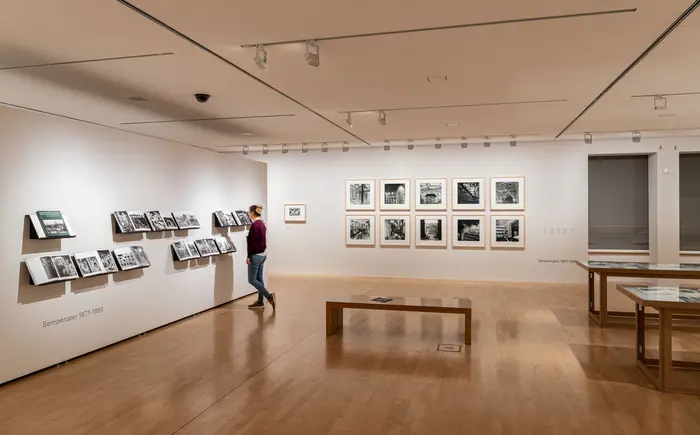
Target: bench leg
x,y
334,319
468,328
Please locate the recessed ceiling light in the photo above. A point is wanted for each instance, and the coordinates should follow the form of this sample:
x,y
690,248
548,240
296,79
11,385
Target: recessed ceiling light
x,y
247,134
454,124
436,79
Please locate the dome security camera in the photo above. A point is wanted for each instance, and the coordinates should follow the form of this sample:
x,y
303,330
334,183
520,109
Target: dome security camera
x,y
202,98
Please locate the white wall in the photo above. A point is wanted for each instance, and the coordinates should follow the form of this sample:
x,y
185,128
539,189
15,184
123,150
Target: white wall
x,y
556,181
88,172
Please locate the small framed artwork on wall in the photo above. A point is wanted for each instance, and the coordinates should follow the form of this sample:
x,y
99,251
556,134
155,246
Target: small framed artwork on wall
x,y
508,232
359,195
468,194
295,213
431,194
508,193
468,232
395,194
431,231
359,231
395,231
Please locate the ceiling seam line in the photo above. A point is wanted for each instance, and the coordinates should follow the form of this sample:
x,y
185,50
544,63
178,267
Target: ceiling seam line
x,y
208,119
78,62
457,106
97,124
233,65
634,63
452,27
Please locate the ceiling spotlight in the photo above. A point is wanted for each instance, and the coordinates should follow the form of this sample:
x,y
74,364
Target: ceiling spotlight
x,y
513,141
304,148
324,147
285,149
313,54
348,119
487,142
588,138
266,149
346,147
636,137
660,103
464,143
381,118
411,145
245,150
438,144
387,147
261,57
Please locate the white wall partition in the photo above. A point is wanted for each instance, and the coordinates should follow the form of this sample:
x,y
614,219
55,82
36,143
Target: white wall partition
x,y
87,172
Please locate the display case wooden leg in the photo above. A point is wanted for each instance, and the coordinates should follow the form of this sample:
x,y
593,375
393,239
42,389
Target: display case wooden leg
x,y
665,348
603,299
468,328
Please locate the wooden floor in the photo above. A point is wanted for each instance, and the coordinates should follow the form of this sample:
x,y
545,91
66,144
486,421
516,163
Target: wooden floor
x,y
536,366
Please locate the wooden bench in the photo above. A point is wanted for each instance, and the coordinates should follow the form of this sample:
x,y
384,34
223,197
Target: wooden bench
x,y
335,306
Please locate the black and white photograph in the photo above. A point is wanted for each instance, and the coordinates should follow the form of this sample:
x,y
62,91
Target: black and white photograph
x,y
49,268
42,270
243,217
140,256
140,222
170,223
431,231
213,247
64,266
295,213
468,194
359,231
127,259
50,225
508,193
225,245
89,263
107,260
468,231
395,194
205,248
359,195
224,219
186,220
155,218
124,223
508,232
395,231
431,194
194,252
181,251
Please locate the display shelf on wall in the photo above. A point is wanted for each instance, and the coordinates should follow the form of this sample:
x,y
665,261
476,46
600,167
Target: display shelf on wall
x,y
185,250
49,225
226,219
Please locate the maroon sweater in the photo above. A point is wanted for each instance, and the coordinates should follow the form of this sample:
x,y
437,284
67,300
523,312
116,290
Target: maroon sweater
x,y
257,238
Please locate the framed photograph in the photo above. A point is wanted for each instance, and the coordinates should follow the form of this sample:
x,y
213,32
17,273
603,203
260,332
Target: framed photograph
x,y
170,224
395,194
243,217
395,231
224,245
185,220
468,194
206,247
51,268
131,257
508,232
107,260
155,218
89,264
182,252
431,231
359,195
295,212
359,231
431,194
224,219
508,193
468,231
50,225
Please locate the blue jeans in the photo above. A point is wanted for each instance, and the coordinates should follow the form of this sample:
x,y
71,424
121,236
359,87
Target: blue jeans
x,y
255,276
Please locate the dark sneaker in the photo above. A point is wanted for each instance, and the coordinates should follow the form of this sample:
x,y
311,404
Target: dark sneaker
x,y
256,306
273,301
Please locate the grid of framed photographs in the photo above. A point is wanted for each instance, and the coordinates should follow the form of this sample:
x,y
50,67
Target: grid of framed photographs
x,y
51,268
184,250
467,227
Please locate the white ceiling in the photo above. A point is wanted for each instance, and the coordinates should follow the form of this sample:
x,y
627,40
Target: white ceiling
x,y
84,59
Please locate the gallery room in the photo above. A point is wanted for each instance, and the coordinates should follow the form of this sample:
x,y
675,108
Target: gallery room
x,y
368,217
